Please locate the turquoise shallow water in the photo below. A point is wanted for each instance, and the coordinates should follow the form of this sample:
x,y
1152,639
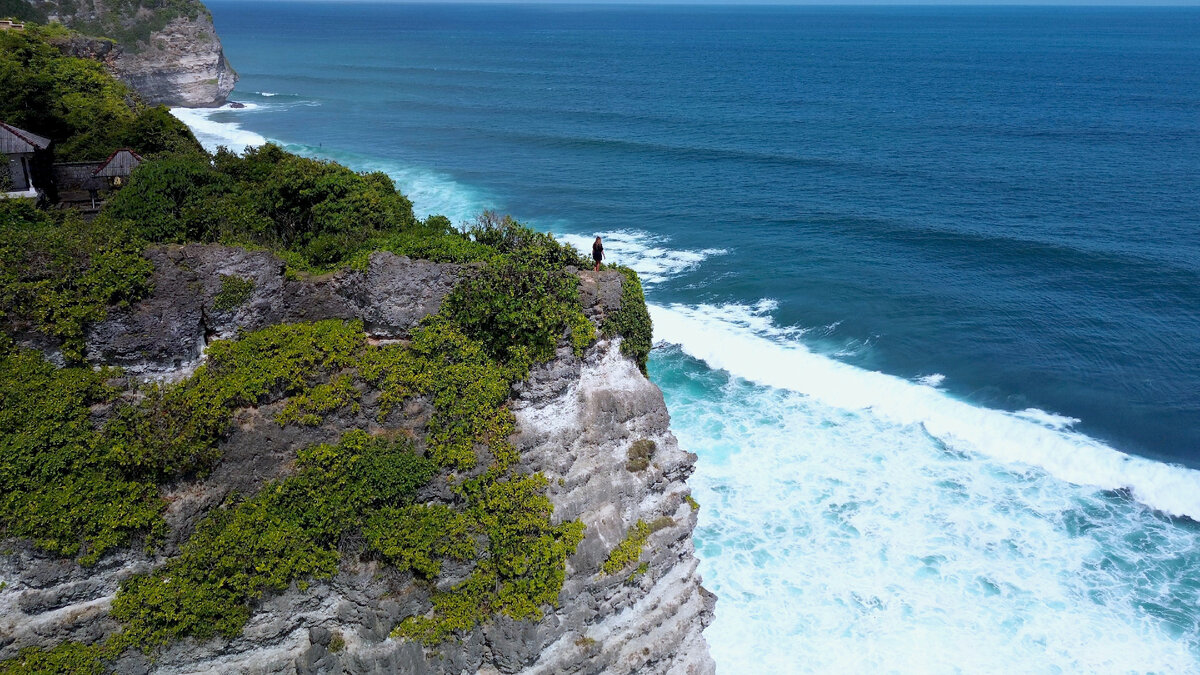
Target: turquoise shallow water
x,y
925,281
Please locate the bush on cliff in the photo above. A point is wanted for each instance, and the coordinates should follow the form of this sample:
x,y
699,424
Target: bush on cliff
x,y
319,214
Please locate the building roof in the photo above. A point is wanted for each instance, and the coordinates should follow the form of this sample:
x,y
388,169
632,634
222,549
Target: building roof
x,y
14,140
120,163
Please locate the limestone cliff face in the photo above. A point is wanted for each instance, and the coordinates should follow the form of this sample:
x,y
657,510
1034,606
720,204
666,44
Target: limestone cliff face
x,y
169,54
576,420
183,65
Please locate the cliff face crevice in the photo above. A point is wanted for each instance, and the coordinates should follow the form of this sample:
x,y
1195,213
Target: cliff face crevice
x,y
170,54
578,417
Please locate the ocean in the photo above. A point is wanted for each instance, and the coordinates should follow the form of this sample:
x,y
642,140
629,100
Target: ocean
x,y
925,284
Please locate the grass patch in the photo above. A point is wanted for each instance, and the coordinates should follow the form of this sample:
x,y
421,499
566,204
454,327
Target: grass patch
x,y
71,658
234,291
628,551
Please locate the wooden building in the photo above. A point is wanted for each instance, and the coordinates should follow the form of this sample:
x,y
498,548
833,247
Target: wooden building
x,y
116,169
21,148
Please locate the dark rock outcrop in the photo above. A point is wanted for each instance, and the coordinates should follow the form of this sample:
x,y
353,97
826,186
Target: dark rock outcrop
x,y
166,333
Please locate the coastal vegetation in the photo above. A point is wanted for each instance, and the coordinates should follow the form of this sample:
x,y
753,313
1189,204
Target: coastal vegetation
x,y
76,103
633,320
86,453
130,23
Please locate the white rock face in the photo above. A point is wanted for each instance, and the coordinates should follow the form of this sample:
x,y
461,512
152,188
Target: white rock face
x,y
577,423
183,65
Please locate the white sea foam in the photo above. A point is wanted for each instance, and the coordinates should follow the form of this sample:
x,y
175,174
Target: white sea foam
x,y
934,380
1038,440
429,191
214,133
647,254
841,541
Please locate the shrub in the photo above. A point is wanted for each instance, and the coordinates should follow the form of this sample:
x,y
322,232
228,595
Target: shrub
x,y
337,643
76,103
628,551
319,214
632,321
234,291
55,486
638,455
71,658
287,533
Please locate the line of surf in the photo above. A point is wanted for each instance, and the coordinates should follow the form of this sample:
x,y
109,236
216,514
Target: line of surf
x,y
1028,437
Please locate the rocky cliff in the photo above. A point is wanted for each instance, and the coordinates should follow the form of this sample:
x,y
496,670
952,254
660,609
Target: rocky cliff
x,y
168,51
592,424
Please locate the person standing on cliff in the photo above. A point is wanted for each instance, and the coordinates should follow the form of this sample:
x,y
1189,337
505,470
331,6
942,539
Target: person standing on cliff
x,y
597,252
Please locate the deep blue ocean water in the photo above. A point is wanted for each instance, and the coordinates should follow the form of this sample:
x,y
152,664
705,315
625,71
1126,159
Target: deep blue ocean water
x,y
926,283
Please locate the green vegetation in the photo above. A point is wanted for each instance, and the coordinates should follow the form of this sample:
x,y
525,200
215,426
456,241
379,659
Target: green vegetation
x,y
289,532
21,10
59,273
632,321
234,292
310,408
84,454
638,573
59,485
76,103
174,431
286,533
77,490
523,301
337,643
691,501
639,454
68,658
129,22
317,214
630,549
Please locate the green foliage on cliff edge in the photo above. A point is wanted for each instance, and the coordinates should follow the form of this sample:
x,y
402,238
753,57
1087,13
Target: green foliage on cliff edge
x,y
81,488
58,486
129,22
317,214
76,102
290,531
68,658
632,321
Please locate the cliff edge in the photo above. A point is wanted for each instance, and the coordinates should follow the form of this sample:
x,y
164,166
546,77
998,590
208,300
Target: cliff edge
x,y
588,420
168,51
